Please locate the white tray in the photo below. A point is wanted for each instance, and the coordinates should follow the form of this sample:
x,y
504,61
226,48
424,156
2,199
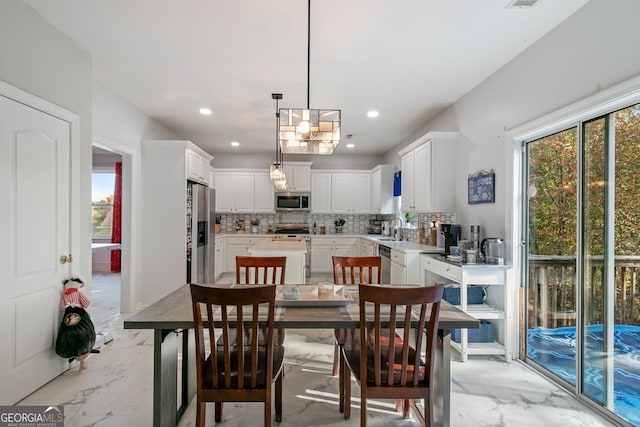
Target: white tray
x,y
308,297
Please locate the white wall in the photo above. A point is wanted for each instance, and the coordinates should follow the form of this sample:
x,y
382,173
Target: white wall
x,y
38,59
592,50
120,121
262,161
119,126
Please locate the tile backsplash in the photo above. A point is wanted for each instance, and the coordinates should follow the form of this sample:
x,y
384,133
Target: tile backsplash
x,y
354,224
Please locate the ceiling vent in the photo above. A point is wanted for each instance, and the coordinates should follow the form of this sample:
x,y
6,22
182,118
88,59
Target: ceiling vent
x,y
520,4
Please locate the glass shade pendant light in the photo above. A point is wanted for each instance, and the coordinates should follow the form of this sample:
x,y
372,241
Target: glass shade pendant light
x,y
307,131
276,170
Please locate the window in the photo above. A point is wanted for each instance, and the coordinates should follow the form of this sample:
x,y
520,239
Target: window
x,y
102,189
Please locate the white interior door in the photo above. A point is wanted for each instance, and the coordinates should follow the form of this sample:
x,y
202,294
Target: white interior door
x,y
34,225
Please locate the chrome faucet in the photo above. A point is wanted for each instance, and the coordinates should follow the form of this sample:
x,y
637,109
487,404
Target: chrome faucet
x,y
397,231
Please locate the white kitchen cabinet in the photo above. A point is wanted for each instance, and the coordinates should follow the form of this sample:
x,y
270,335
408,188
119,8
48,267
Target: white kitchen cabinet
x,y
382,189
219,261
238,245
198,165
405,267
320,192
351,193
401,263
407,200
298,175
324,247
496,309
263,198
429,173
398,273
164,175
368,248
243,190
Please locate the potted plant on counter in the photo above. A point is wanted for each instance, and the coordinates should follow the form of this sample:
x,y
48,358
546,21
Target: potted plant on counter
x,y
339,223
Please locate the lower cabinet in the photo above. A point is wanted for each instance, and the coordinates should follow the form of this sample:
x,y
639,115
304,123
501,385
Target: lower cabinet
x,y
398,273
324,247
496,307
219,261
405,267
368,248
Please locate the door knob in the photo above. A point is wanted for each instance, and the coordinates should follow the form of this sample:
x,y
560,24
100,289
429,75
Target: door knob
x,y
65,259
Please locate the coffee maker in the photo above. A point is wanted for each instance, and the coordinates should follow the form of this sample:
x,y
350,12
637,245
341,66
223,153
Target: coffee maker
x,y
451,233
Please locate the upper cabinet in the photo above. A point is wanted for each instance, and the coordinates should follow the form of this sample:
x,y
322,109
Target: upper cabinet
x,y
298,176
382,189
321,192
429,173
243,191
198,164
351,193
263,199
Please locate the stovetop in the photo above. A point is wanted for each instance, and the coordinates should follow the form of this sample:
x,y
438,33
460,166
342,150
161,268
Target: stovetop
x,y
292,229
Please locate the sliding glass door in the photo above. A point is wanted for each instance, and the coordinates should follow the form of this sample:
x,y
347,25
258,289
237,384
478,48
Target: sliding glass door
x,y
583,259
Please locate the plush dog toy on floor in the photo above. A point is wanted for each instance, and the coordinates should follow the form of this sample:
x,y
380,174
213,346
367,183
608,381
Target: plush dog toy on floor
x,y
77,335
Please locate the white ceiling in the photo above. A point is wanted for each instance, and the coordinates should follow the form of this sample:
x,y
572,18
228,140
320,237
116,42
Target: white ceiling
x,y
408,59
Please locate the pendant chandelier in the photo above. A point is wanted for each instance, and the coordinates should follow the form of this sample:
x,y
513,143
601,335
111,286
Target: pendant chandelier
x,y
276,170
307,131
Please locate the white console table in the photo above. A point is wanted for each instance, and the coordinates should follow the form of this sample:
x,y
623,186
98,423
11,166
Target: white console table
x,y
497,308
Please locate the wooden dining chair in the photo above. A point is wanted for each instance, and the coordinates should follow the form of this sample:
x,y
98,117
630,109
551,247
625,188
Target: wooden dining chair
x,y
241,371
254,270
351,270
394,368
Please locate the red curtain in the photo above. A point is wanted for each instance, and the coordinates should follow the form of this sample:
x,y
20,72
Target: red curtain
x,y
116,224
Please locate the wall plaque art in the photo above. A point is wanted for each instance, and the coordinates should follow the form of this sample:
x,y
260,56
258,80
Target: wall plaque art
x,y
482,187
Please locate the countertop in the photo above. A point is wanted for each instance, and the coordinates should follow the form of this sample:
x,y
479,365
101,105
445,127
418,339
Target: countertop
x,y
280,245
406,246
401,245
443,258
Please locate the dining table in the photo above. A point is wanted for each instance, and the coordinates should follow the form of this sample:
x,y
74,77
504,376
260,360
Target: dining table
x,y
171,318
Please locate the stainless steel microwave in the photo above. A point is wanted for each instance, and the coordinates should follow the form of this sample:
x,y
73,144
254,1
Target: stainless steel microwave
x,y
293,201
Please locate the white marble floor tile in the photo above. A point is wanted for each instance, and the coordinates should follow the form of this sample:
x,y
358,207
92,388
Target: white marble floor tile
x,y
116,389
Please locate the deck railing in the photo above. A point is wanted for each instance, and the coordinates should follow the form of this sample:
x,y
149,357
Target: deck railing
x,y
552,290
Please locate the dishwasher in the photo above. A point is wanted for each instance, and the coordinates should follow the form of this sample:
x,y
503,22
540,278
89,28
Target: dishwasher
x,y
385,258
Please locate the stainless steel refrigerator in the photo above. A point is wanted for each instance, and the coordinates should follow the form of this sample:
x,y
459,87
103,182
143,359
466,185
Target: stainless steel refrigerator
x,y
200,247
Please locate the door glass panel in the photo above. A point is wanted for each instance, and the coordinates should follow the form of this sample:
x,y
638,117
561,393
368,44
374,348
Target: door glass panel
x,y
551,242
626,337
595,270
610,362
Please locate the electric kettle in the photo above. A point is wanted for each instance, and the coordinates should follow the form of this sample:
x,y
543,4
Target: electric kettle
x,y
493,249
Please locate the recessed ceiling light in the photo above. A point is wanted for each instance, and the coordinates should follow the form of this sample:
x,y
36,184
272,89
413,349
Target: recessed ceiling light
x,y
351,145
373,113
205,111
521,4
235,144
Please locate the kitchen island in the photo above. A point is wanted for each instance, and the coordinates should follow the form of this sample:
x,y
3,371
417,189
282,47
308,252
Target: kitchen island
x,y
295,251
